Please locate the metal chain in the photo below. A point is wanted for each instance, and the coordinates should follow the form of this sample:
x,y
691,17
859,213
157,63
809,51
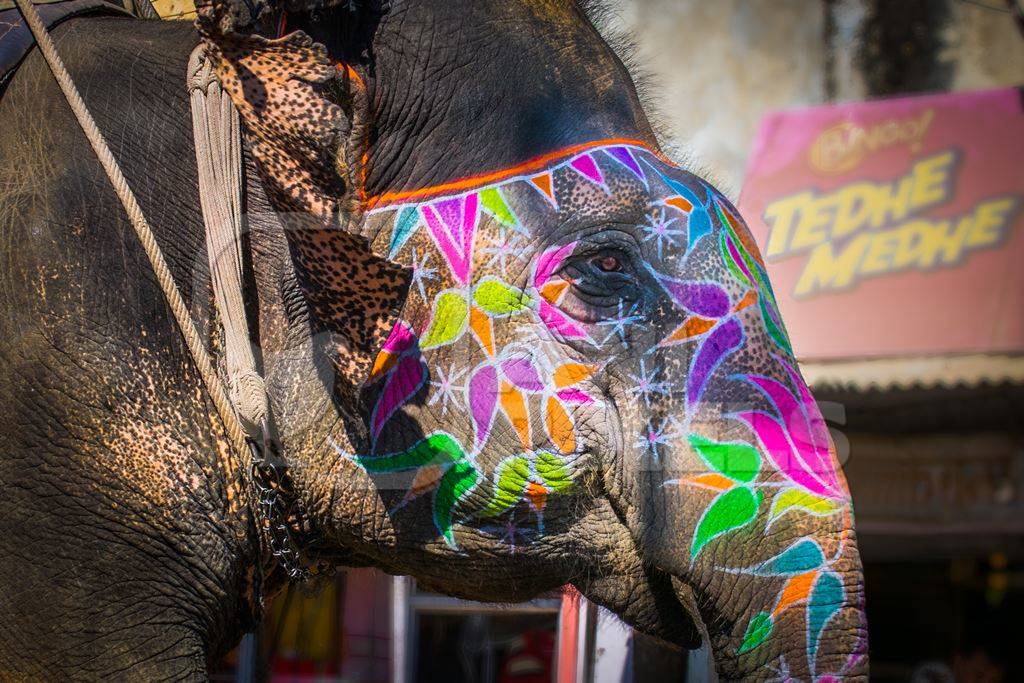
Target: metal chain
x,y
278,505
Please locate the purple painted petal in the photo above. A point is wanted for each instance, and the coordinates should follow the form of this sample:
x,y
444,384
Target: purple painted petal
x,y
521,373
721,341
559,323
625,157
483,401
706,299
549,261
777,447
574,396
402,384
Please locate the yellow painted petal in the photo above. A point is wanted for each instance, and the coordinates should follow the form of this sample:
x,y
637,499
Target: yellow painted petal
x,y
796,498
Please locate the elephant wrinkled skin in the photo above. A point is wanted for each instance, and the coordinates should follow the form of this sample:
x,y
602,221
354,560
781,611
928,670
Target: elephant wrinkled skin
x,y
509,346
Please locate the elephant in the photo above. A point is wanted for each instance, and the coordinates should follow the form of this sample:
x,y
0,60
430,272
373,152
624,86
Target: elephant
x,y
509,345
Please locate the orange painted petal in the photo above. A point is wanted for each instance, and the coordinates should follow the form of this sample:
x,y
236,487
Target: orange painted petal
x,y
712,480
514,405
543,183
795,590
560,427
680,203
537,495
385,361
691,327
569,374
481,325
552,292
749,299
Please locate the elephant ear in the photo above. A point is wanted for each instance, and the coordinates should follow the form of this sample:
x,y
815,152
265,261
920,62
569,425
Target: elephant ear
x,y
303,143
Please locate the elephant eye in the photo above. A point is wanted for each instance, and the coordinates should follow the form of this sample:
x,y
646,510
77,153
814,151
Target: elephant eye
x,y
601,283
609,263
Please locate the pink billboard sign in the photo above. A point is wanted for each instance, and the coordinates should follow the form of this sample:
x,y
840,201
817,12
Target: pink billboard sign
x,y
894,227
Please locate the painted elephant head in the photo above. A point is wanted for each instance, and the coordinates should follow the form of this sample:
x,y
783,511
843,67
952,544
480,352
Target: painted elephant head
x,y
570,362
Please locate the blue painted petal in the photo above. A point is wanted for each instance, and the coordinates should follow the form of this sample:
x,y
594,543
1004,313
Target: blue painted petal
x,y
699,223
802,556
827,598
405,225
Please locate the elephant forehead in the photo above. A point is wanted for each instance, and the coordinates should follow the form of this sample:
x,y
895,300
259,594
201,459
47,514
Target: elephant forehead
x,y
612,181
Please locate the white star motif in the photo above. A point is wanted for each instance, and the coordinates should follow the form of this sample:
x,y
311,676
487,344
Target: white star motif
x,y
620,322
511,246
660,230
653,438
646,384
421,273
447,389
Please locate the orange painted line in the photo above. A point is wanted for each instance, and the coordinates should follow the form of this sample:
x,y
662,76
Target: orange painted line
x,y
479,180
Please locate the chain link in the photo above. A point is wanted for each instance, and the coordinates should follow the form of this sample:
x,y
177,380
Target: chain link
x,y
277,505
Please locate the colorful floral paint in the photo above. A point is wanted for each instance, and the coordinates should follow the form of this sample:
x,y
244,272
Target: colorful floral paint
x,y
500,344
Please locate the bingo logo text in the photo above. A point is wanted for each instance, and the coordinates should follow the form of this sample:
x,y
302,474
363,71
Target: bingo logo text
x,y
867,229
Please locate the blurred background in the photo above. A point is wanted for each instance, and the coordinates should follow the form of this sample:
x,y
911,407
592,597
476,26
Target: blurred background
x,y
907,320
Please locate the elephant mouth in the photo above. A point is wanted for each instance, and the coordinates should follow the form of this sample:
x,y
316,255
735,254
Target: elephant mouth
x,y
673,623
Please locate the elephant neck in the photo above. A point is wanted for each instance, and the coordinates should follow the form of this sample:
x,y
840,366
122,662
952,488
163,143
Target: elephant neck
x,y
463,88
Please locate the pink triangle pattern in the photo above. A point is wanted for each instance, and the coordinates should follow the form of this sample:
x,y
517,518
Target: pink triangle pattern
x,y
585,165
452,224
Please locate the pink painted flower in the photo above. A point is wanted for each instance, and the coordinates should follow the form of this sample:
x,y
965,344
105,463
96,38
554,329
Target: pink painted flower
x,y
795,438
551,293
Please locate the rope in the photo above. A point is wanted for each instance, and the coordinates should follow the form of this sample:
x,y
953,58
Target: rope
x,y
214,386
219,160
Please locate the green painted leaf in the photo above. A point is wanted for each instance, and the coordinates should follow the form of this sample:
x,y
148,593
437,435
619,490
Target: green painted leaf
x,y
511,475
730,510
448,321
730,263
736,460
497,298
456,482
435,449
494,202
777,334
758,630
554,471
799,499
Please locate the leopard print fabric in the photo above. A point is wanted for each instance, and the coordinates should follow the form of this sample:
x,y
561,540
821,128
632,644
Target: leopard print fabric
x,y
298,138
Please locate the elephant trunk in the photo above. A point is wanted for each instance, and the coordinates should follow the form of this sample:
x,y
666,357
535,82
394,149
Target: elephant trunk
x,y
744,505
